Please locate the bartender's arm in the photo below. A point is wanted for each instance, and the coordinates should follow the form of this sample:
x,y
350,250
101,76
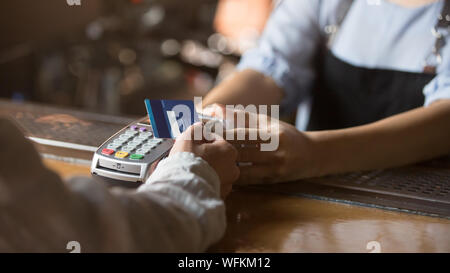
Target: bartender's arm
x,y
279,71
420,134
178,209
245,87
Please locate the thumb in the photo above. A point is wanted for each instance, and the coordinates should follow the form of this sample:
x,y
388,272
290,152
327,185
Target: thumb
x,y
192,132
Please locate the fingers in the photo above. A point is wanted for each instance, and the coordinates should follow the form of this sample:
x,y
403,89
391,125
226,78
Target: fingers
x,y
189,134
248,141
196,134
256,174
223,146
222,156
227,180
238,117
239,137
247,136
254,155
214,110
225,190
246,150
200,132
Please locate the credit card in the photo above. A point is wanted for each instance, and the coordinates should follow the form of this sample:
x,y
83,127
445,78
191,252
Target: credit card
x,y
170,118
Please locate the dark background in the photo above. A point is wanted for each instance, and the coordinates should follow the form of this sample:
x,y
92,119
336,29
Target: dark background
x,y
108,55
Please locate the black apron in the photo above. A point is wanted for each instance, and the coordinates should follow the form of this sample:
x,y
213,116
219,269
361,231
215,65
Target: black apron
x,y
347,96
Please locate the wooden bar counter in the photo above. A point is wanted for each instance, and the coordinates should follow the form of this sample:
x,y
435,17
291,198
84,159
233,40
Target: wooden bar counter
x,y
293,217
262,221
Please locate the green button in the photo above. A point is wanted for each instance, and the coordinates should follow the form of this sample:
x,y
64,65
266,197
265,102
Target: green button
x,y
136,156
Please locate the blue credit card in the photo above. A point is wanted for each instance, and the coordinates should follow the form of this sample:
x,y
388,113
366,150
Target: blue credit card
x,y
170,118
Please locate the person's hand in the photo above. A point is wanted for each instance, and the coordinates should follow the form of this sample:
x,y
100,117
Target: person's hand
x,y
293,157
219,154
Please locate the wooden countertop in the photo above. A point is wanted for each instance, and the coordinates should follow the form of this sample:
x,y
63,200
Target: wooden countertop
x,y
260,221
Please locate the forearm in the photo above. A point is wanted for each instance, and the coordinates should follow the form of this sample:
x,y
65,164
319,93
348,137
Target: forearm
x,y
406,138
178,209
245,87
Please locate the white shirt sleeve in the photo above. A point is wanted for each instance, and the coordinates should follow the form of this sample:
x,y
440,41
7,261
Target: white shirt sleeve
x,y
439,87
178,210
287,49
189,192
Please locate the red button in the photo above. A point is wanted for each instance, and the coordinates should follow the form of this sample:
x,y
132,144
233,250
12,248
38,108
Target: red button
x,y
107,151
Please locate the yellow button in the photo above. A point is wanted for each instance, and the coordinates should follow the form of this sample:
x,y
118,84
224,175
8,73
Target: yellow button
x,y
121,154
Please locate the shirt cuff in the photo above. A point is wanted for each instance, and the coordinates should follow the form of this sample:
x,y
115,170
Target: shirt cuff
x,y
437,89
185,168
188,190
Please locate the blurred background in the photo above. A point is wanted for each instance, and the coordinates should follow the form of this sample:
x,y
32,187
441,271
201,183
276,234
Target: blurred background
x,y
106,56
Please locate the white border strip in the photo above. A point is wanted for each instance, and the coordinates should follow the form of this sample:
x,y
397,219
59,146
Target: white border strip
x,y
62,144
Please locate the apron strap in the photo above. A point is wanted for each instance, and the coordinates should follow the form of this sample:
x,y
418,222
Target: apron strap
x,y
440,30
444,17
341,12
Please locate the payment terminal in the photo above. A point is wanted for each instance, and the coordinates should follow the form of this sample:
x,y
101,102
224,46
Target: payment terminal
x,y
130,155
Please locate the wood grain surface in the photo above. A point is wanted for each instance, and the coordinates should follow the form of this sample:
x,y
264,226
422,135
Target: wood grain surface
x,y
260,221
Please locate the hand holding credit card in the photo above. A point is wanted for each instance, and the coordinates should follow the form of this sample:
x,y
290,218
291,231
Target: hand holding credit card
x,y
170,118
